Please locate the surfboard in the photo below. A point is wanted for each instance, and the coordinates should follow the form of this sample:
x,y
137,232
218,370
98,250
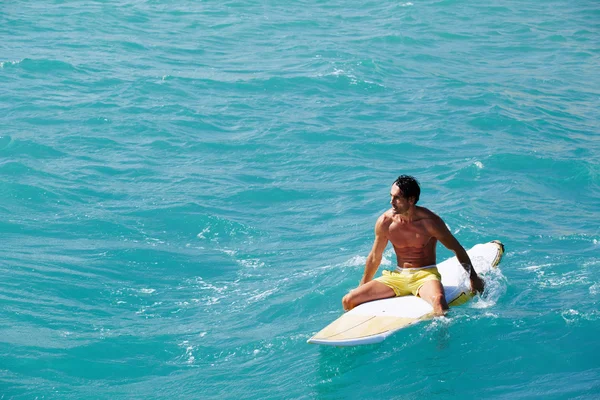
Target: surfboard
x,y
374,321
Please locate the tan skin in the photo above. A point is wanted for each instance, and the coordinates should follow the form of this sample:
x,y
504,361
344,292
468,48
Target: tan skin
x,y
414,232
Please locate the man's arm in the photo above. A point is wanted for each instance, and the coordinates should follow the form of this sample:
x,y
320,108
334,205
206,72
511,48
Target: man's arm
x,y
445,237
374,257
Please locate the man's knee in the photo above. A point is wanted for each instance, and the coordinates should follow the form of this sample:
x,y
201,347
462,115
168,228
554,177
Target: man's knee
x,y
348,302
351,300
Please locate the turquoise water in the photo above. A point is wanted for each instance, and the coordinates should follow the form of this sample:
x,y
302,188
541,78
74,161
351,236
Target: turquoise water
x,y
189,188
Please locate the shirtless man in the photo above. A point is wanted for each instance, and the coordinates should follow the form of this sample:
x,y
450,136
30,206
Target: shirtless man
x,y
414,232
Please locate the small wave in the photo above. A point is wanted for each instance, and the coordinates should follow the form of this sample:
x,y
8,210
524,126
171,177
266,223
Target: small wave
x,y
31,149
352,79
9,63
216,229
40,65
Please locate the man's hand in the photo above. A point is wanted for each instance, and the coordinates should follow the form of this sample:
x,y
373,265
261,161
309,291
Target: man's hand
x,y
477,284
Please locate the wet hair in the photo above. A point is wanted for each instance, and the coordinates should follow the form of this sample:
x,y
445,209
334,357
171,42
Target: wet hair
x,y
409,187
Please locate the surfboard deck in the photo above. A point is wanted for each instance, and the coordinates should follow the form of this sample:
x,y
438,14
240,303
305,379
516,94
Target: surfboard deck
x,y
372,322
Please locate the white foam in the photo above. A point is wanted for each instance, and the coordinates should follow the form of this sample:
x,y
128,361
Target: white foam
x,y
251,263
355,261
481,303
189,352
591,263
341,72
262,295
212,300
201,234
3,63
573,316
562,281
535,267
570,316
495,287
337,72
208,286
438,322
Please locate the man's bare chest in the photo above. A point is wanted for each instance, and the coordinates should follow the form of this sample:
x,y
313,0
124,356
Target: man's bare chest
x,y
408,234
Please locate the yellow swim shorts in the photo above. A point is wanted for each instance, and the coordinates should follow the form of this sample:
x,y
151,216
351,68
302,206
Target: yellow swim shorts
x,y
407,281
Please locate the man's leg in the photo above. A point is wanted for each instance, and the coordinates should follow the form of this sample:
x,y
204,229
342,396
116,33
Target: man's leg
x,y
370,291
433,292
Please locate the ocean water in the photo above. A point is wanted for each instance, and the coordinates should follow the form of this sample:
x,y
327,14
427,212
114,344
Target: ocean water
x,y
189,188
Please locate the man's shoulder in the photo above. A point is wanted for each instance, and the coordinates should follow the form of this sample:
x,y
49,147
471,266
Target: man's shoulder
x,y
386,218
428,216
425,212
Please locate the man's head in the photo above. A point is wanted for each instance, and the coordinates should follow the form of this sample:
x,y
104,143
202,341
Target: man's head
x,y
405,193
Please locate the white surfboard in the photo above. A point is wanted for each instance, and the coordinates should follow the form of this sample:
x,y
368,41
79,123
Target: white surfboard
x,y
372,322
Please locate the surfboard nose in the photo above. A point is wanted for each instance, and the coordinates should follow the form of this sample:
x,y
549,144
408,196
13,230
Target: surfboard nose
x,y
499,243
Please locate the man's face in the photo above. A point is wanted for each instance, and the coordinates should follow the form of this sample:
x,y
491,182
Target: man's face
x,y
398,202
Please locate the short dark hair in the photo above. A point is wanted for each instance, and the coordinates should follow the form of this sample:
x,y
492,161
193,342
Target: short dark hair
x,y
409,187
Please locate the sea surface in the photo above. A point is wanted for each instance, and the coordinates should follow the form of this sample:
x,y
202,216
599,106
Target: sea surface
x,y
188,189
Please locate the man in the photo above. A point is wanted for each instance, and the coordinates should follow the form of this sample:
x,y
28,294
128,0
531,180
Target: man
x,y
414,232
